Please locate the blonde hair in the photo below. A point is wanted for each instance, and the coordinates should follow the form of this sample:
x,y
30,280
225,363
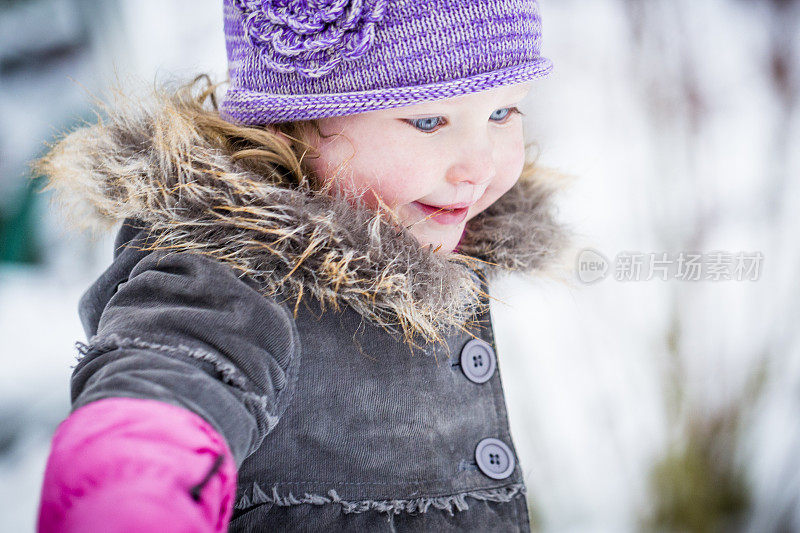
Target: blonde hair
x,y
275,151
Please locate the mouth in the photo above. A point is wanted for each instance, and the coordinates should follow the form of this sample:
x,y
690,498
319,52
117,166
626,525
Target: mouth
x,y
443,215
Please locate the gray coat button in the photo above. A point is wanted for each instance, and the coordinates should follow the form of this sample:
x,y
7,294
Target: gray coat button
x,y
478,361
494,458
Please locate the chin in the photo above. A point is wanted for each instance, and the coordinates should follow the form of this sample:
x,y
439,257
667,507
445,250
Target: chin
x,y
443,250
448,242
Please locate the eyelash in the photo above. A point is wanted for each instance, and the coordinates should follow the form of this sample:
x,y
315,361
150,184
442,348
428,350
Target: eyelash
x,y
511,111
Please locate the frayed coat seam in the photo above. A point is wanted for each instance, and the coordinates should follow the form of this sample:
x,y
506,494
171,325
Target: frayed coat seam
x,y
105,343
396,506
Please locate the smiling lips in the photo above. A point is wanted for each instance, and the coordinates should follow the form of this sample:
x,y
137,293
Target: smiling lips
x,y
444,215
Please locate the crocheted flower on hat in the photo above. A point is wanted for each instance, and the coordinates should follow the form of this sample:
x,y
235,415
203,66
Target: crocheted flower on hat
x,y
310,37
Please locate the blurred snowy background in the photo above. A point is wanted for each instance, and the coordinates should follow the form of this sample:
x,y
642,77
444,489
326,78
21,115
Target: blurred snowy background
x,y
649,404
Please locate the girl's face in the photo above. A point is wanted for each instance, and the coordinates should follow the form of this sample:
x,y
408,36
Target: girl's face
x,y
462,153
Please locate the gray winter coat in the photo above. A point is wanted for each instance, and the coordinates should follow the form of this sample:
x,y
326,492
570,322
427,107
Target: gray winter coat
x,y
352,373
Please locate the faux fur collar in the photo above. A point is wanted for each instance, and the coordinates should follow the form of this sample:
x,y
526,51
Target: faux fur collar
x,y
147,160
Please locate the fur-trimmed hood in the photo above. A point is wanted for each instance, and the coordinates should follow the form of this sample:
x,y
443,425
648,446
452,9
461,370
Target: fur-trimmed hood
x,y
147,160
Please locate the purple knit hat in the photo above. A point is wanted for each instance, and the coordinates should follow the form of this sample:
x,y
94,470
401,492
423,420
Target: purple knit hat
x,y
300,59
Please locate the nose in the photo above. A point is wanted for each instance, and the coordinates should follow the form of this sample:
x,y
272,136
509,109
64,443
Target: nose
x,y
474,164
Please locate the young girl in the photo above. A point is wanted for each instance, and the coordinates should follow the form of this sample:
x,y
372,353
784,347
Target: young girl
x,y
294,333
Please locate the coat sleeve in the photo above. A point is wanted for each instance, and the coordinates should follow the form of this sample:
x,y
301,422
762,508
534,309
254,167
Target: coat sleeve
x,y
129,464
187,361
185,329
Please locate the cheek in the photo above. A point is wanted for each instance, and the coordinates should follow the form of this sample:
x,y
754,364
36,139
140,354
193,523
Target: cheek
x,y
375,173
323,163
402,182
384,176
388,174
509,167
513,163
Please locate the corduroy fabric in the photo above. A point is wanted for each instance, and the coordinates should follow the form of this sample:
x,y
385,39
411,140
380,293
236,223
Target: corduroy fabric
x,y
290,61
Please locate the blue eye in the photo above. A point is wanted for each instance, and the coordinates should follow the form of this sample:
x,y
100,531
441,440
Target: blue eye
x,y
430,124
503,113
425,124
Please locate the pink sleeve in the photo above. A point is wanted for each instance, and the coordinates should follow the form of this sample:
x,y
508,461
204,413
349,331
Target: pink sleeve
x,y
128,464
